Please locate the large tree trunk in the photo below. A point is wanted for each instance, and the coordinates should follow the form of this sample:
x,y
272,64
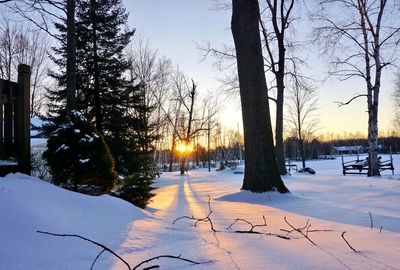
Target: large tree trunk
x,y
97,90
261,173
373,162
372,90
71,56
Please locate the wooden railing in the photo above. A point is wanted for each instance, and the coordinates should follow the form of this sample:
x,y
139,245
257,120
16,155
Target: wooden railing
x,y
15,123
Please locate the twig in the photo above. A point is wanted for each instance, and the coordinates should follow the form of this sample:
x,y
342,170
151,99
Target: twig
x,y
98,255
255,226
205,219
91,241
300,230
340,104
163,256
151,267
348,242
372,222
105,248
248,222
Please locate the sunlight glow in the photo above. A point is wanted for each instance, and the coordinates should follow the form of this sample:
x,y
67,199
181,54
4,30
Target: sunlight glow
x,y
183,148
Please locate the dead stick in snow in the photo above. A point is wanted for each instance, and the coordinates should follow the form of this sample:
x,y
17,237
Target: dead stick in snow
x,y
370,218
91,241
248,222
206,219
348,242
252,231
105,248
299,230
97,257
163,256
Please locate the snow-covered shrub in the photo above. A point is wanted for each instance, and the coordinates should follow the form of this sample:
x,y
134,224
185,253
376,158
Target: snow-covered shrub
x,y
78,155
137,189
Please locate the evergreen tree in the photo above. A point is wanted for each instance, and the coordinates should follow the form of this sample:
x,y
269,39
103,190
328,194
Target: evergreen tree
x,y
137,187
105,97
77,155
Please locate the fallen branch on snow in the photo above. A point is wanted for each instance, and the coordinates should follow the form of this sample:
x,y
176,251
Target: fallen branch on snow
x,y
348,243
305,230
251,224
255,226
164,256
105,248
206,219
371,220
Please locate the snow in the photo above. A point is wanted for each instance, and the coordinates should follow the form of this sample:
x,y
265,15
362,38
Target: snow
x,y
28,204
35,122
86,160
330,201
7,162
88,139
62,147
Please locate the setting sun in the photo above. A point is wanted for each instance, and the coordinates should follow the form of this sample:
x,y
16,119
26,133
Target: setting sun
x,y
184,148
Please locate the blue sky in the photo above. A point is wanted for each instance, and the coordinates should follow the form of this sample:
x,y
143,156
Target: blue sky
x,y
173,27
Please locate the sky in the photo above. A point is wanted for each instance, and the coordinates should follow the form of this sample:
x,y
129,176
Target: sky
x,y
175,27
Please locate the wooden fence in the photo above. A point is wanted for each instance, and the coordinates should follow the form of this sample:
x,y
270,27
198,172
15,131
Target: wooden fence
x,y
15,145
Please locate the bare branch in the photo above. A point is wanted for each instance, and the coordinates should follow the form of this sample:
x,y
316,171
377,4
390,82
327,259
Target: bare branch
x,y
206,219
97,257
248,222
164,256
370,217
300,230
340,104
105,248
91,241
348,244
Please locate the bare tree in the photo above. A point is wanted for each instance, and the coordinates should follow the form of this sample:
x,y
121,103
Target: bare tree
x,y
22,45
261,172
302,106
154,72
361,42
192,121
9,34
44,14
396,97
34,52
275,20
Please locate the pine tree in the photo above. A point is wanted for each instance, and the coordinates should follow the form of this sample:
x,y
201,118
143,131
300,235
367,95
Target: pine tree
x,y
105,97
137,187
77,155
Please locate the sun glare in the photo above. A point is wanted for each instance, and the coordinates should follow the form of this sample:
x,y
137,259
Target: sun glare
x,y
184,148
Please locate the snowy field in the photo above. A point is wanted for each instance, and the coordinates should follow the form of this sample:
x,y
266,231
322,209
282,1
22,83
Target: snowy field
x,y
332,203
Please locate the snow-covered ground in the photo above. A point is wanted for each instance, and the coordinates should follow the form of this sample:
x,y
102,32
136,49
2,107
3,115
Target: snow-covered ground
x,y
331,202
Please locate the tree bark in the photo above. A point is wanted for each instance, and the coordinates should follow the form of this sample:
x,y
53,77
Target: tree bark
x,y
279,146
71,56
96,88
261,172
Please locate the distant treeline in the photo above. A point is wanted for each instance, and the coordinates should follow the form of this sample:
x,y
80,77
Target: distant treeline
x,y
315,148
